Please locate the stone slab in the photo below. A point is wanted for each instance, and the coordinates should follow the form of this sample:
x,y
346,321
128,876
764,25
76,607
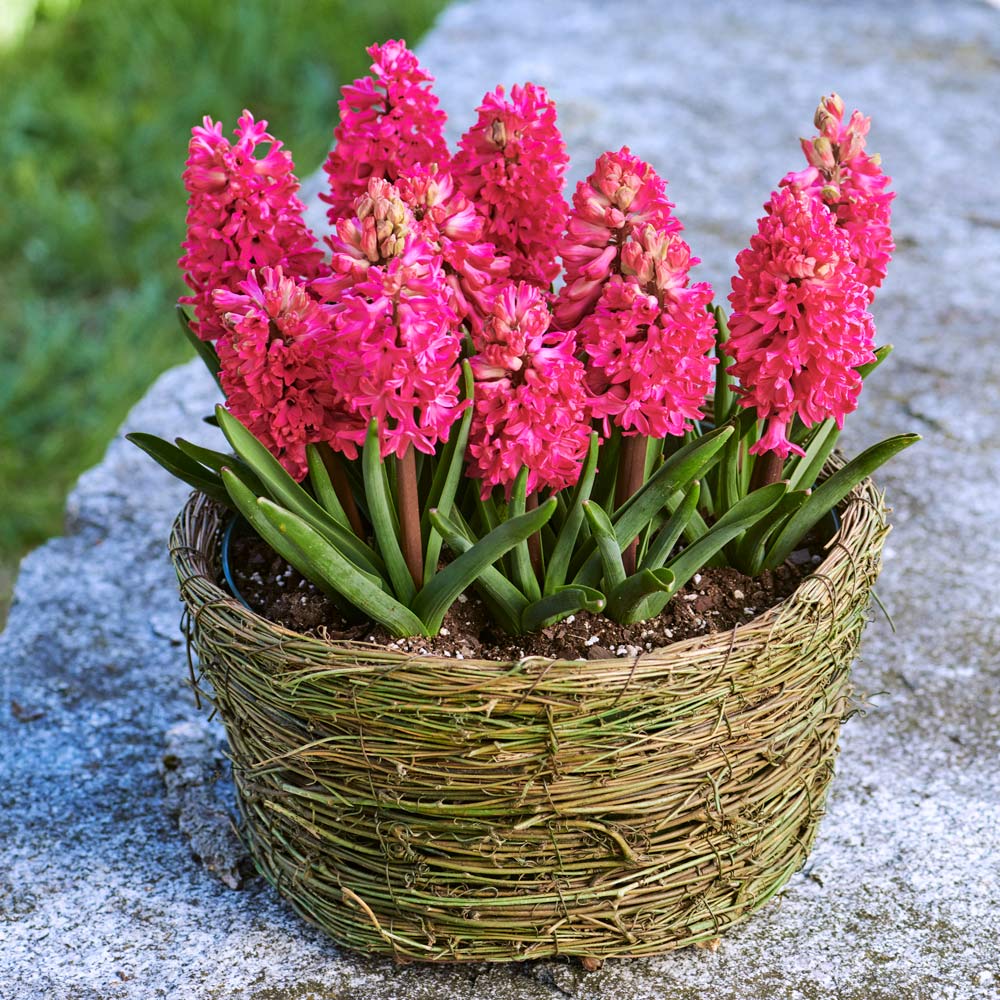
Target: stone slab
x,y
100,898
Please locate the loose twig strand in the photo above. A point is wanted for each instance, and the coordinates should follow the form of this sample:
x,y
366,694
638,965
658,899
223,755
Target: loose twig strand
x,y
602,809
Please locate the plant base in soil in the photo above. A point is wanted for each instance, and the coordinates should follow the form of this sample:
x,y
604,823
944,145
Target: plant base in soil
x,y
715,600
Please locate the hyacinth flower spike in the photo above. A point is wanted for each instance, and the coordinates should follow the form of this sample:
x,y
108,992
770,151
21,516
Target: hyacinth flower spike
x,y
643,325
243,214
396,348
800,336
390,122
511,164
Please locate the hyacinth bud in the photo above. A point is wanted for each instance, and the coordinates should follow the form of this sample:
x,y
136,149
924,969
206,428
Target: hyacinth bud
x,y
823,154
659,262
624,196
636,263
830,192
829,115
385,221
852,145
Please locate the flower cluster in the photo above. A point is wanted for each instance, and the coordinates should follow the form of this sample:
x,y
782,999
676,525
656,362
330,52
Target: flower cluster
x,y
388,125
800,326
531,408
511,164
243,213
649,339
396,353
851,182
433,257
644,328
449,223
622,196
276,364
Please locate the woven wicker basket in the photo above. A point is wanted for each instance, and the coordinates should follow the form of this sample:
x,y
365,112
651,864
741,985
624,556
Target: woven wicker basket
x,y
458,810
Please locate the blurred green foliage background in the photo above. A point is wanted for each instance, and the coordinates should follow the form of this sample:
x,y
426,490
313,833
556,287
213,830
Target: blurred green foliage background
x,y
97,98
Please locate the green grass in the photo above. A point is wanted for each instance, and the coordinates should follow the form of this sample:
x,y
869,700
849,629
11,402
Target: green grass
x,y
97,107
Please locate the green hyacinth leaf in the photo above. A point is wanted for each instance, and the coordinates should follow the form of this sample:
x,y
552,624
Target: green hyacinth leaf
x,y
723,398
881,354
433,601
609,549
688,463
741,517
750,552
627,602
559,605
670,534
245,501
558,565
218,460
520,557
504,599
322,484
178,464
342,574
447,476
203,348
286,491
695,556
829,493
383,516
806,468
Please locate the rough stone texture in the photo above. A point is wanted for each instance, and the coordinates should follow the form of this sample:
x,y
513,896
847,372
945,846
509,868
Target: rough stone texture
x,y
99,895
200,797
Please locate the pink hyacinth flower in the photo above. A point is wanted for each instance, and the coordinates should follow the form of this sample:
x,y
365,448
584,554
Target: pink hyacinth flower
x,y
378,231
396,354
388,125
530,403
449,223
243,213
800,325
275,365
511,164
622,196
851,182
649,339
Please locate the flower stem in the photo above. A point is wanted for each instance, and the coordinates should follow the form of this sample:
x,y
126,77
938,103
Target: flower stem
x,y
534,541
631,471
766,470
338,479
409,516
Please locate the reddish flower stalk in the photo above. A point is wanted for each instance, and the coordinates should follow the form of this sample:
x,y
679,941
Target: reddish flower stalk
x,y
409,516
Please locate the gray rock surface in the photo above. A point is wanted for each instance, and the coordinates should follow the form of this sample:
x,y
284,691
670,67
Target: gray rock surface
x,y
99,895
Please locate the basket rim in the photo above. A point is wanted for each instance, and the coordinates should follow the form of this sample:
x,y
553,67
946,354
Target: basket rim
x,y
864,501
